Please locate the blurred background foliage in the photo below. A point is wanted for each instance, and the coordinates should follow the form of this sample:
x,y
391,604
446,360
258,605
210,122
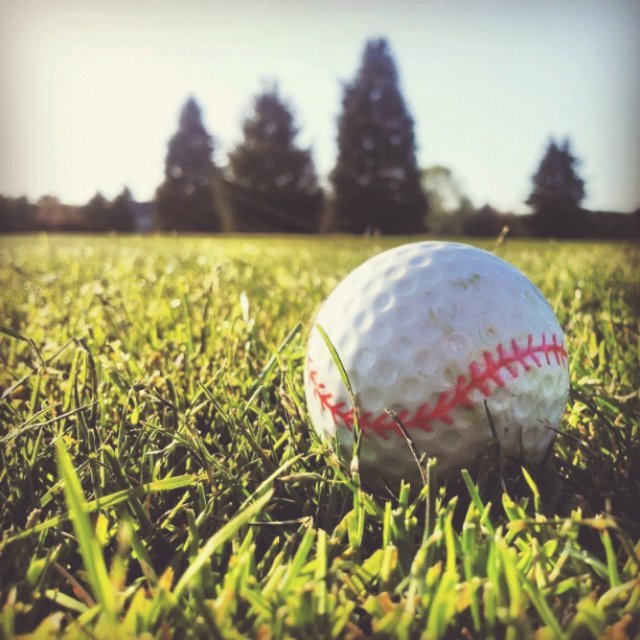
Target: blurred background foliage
x,y
270,184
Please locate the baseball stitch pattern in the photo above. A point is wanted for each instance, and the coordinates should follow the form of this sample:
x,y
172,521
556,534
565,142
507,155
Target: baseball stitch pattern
x,y
483,376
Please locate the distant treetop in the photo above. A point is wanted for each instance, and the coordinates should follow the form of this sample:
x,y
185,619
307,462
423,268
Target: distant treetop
x,y
557,193
185,199
376,179
272,182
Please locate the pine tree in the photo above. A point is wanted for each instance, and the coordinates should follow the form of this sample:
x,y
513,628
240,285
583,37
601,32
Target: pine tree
x,y
96,213
16,215
6,222
121,215
376,179
272,183
557,194
184,202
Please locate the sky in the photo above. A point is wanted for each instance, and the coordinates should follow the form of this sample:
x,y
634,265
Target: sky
x,y
90,91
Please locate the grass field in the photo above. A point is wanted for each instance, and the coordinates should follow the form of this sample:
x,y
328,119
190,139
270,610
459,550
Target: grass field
x,y
159,476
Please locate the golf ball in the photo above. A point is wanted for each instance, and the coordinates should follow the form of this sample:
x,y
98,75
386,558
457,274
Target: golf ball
x,y
444,335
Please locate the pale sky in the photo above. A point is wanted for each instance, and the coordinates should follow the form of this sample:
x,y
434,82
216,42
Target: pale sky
x,y
91,90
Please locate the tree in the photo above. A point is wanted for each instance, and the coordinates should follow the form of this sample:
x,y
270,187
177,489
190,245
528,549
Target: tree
x,y
486,221
449,207
23,214
6,218
376,179
121,215
96,213
184,201
273,183
557,193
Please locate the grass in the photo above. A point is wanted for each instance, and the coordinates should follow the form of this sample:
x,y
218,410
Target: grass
x,y
159,476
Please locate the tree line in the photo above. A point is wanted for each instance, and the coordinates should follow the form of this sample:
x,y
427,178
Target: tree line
x,y
270,184
99,215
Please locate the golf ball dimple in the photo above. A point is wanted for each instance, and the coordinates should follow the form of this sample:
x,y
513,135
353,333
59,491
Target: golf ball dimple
x,y
434,331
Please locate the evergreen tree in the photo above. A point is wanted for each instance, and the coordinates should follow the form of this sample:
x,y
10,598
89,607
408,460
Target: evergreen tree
x,y
121,216
96,213
6,222
23,212
184,201
376,179
16,215
557,194
272,183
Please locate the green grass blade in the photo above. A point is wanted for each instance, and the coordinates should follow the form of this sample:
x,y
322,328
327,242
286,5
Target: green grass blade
x,y
218,539
345,380
88,543
112,500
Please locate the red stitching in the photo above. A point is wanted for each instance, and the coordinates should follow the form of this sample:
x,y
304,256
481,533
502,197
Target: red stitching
x,y
480,376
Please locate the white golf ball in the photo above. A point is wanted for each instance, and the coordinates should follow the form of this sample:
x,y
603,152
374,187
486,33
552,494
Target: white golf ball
x,y
433,331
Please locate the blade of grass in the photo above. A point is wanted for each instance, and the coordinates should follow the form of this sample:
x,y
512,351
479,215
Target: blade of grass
x,y
113,499
218,539
90,549
18,336
345,380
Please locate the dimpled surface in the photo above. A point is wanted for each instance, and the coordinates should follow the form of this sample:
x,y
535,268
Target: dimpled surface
x,y
432,330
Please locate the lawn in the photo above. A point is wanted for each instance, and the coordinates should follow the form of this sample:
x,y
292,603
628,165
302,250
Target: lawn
x,y
159,475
